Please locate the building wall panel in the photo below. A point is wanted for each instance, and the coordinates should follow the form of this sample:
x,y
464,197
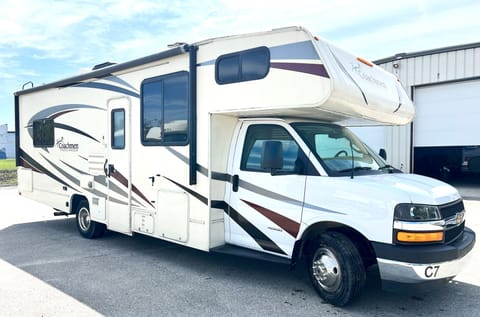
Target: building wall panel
x,y
426,68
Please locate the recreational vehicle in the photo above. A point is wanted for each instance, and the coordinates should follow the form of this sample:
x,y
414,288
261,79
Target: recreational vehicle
x,y
240,144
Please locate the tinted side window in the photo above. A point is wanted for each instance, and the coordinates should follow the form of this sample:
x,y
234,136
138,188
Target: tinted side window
x,y
293,157
43,133
175,109
164,109
243,66
255,64
228,69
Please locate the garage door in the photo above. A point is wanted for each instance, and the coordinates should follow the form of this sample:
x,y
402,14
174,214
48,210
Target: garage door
x,y
447,115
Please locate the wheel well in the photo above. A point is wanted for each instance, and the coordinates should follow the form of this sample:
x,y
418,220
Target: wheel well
x,y
76,199
364,247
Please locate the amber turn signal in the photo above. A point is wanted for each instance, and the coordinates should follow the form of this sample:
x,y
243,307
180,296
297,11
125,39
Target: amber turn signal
x,y
403,236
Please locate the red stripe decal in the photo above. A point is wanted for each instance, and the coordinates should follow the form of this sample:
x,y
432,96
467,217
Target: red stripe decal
x,y
283,222
122,180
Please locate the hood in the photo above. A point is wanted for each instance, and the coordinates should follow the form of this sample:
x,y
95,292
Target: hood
x,y
419,189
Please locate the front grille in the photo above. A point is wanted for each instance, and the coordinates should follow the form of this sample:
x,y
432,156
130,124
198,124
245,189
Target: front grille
x,y
453,233
451,209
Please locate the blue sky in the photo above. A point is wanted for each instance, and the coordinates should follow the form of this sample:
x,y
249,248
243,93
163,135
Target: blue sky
x,y
43,41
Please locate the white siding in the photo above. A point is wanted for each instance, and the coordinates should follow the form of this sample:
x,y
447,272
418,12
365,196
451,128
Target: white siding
x,y
424,69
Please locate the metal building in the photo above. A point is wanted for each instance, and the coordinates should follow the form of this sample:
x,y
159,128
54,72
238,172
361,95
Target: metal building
x,y
7,142
444,139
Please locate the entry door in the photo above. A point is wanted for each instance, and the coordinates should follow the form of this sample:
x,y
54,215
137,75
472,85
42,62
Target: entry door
x,y
265,210
118,165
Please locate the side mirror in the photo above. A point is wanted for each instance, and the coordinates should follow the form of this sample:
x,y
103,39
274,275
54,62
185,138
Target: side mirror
x,y
383,154
272,155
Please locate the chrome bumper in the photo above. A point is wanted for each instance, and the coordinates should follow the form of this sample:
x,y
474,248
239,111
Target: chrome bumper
x,y
412,273
422,264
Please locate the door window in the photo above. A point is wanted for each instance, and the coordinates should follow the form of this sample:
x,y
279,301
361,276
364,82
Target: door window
x,y
118,129
294,161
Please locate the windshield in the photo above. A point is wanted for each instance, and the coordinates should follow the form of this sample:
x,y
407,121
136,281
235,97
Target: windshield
x,y
339,151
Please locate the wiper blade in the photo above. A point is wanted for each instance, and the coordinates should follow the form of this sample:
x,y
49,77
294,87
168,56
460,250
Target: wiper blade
x,y
357,168
390,169
386,167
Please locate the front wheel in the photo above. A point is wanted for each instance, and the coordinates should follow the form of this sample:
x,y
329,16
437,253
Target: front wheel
x,y
86,226
336,268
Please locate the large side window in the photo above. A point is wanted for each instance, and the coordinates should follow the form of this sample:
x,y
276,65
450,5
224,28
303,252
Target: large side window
x,y
294,161
242,66
164,110
118,129
43,133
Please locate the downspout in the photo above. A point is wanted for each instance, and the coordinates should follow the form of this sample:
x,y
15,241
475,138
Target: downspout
x,y
192,127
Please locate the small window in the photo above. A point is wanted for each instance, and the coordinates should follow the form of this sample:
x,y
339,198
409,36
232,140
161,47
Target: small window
x,y
118,129
43,133
241,66
165,106
293,157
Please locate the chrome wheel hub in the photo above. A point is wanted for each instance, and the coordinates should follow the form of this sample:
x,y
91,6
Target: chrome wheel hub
x,y
326,270
84,219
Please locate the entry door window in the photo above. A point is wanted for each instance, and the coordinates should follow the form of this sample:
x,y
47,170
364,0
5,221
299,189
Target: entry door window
x,y
118,129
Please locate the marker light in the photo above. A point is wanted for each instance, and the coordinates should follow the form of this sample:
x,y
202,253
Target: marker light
x,y
364,61
420,237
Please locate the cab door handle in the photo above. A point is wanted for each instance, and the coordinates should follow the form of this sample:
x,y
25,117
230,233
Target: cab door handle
x,y
235,181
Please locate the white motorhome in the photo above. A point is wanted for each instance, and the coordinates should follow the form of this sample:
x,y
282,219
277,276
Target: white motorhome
x,y
238,144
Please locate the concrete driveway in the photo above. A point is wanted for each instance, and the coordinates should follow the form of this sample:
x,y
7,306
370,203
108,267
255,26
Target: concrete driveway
x,y
47,269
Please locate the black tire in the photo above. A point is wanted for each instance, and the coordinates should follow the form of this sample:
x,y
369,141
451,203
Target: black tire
x,y
336,268
88,228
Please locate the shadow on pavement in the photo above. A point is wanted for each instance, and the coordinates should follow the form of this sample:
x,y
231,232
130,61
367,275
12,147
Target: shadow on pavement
x,y
121,275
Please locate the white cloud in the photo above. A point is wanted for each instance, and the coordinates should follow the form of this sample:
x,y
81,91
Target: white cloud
x,y
432,30
86,32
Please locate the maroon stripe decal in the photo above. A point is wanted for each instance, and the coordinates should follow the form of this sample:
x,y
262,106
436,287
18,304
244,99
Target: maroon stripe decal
x,y
283,222
122,180
313,69
26,164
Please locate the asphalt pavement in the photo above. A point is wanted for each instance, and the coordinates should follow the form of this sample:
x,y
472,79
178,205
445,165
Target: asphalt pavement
x,y
47,269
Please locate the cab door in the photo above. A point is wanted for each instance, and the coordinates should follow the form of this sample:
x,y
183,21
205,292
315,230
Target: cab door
x,y
265,201
118,166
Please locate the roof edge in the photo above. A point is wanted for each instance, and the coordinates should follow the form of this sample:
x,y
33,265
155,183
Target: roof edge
x,y
446,49
109,70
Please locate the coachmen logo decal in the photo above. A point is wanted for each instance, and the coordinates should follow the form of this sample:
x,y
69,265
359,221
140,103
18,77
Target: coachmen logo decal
x,y
66,146
357,70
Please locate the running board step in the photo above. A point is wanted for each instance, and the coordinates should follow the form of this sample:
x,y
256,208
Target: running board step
x,y
60,213
243,252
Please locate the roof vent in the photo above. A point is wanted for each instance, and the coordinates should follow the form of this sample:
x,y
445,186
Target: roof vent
x,y
176,44
102,65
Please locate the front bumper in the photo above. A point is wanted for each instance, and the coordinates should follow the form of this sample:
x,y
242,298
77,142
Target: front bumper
x,y
423,264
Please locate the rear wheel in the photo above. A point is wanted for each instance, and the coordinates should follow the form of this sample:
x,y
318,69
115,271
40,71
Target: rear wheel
x,y
86,226
336,268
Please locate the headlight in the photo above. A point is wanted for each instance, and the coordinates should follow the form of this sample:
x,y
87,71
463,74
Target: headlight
x,y
411,212
417,224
